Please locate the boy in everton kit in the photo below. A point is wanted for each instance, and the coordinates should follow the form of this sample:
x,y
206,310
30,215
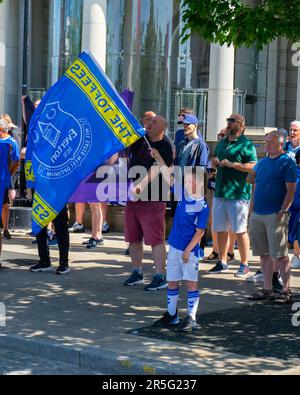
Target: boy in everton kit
x,y
188,228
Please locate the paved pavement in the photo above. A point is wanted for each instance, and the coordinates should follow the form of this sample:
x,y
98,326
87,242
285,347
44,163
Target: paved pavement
x,y
17,363
88,319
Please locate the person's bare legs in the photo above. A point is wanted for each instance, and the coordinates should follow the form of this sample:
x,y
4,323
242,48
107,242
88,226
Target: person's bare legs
x,y
268,267
97,220
159,258
214,241
285,271
136,254
296,249
232,239
5,216
79,212
104,208
223,244
244,246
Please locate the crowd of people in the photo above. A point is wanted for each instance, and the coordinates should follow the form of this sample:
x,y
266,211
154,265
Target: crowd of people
x,y
260,196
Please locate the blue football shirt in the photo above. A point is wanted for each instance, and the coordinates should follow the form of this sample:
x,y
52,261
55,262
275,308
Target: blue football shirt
x,y
190,215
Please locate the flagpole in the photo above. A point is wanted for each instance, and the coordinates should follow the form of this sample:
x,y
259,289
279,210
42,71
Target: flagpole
x,y
150,149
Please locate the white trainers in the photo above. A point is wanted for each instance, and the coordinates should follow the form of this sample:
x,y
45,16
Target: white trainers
x,y
76,228
295,262
256,278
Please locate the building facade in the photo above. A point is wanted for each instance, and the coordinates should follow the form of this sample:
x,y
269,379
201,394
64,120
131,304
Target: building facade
x,y
138,43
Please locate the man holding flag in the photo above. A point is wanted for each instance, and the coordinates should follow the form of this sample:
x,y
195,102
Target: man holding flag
x,y
145,218
80,122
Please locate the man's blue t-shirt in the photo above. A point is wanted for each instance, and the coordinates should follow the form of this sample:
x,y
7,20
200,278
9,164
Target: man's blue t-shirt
x,y
190,215
270,188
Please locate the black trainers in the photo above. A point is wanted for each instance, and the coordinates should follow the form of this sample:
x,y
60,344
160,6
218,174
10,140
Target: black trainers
x,y
188,324
277,285
93,243
158,282
63,269
41,267
135,278
218,268
6,234
167,319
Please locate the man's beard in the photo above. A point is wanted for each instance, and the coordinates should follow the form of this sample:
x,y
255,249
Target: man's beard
x,y
233,132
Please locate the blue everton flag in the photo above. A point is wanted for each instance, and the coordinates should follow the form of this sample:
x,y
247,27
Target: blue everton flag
x,y
80,122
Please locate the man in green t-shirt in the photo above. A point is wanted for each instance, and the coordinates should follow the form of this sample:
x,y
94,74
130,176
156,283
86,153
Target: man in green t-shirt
x,y
235,157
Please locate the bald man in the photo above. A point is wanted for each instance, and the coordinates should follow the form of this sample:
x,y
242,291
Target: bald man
x,y
145,218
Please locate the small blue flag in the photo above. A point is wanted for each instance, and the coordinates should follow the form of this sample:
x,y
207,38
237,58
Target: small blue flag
x,y
80,123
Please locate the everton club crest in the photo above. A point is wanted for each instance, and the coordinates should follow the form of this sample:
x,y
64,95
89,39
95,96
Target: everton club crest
x,y
61,142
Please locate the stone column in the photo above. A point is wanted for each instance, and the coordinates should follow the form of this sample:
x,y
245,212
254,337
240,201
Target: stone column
x,y
272,84
220,92
94,29
2,53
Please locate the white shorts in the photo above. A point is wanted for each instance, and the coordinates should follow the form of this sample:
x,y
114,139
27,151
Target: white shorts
x,y
230,215
177,270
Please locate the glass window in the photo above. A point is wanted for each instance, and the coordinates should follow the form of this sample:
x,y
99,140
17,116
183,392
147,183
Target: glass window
x,y
144,54
65,29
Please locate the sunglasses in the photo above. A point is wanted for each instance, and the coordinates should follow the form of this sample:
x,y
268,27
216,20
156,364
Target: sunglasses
x,y
232,120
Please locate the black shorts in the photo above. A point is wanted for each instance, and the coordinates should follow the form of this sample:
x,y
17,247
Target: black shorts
x,y
6,198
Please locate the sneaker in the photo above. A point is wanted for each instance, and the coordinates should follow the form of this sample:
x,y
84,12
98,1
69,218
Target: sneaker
x,y
219,268
127,252
188,324
135,278
158,282
93,243
243,271
53,241
276,283
295,262
256,278
105,228
77,228
6,234
41,267
168,319
63,269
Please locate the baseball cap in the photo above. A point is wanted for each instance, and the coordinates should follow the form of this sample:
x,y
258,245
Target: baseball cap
x,y
190,118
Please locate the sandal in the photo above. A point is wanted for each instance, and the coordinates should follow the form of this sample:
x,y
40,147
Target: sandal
x,y
284,298
263,294
213,256
230,257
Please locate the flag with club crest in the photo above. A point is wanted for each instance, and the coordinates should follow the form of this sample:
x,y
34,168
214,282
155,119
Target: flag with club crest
x,y
80,123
